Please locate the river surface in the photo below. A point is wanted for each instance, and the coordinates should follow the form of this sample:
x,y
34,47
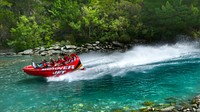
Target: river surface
x,y
111,80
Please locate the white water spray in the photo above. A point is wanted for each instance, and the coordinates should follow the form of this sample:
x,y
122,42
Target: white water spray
x,y
117,64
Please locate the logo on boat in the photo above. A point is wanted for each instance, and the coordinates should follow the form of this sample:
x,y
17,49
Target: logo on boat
x,y
58,72
60,68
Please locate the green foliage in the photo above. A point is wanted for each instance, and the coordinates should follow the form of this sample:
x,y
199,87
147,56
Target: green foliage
x,y
176,17
80,21
28,34
196,34
110,20
172,19
6,20
65,16
125,38
90,17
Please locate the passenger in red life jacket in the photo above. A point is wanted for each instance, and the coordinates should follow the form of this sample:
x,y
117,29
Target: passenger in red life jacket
x,y
67,58
52,62
72,59
60,61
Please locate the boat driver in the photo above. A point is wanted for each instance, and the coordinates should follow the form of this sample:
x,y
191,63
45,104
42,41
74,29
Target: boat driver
x,y
43,64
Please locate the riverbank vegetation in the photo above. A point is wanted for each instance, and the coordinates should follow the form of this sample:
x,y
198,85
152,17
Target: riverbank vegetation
x,y
32,23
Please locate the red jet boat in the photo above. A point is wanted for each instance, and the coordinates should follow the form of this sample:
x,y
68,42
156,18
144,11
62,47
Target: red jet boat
x,y
55,70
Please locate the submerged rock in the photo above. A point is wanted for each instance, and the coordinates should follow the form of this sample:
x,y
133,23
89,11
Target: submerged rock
x,y
167,109
80,105
148,103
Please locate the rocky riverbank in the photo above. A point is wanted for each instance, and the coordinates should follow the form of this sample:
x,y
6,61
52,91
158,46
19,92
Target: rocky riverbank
x,y
176,106
88,47
4,52
171,105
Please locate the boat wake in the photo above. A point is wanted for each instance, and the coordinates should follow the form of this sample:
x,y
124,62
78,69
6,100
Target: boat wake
x,y
138,59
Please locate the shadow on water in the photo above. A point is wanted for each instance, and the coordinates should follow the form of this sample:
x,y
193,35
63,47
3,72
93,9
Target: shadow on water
x,y
35,80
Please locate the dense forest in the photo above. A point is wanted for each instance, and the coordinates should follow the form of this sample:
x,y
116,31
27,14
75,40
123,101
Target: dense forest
x,y
27,24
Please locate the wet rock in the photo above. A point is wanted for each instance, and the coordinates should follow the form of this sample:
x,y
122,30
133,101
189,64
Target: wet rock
x,y
97,48
36,53
2,54
97,42
144,110
109,47
43,53
55,52
50,52
70,47
194,106
186,110
62,48
196,99
87,44
50,48
84,49
90,48
194,110
10,53
167,109
56,47
94,45
42,49
117,44
198,110
26,52
179,107
70,51
37,48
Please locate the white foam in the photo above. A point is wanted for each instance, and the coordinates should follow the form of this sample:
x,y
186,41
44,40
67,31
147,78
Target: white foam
x,y
117,64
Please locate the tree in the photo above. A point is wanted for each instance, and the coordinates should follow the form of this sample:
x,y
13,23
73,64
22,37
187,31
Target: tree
x,y
118,19
6,21
28,34
64,13
172,19
90,17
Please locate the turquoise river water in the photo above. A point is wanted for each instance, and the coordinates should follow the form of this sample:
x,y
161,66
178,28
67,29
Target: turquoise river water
x,y
110,81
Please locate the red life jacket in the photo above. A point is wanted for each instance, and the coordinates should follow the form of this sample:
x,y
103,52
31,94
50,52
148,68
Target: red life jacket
x,y
44,65
60,61
52,62
66,58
